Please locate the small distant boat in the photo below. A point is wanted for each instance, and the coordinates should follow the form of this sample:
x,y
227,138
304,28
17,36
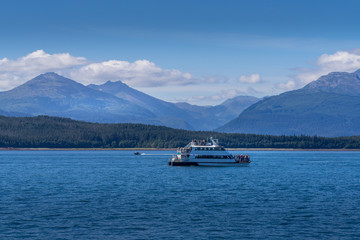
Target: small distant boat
x,y
137,153
207,153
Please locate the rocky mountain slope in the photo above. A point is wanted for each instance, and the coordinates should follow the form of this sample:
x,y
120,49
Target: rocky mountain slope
x,y
200,117
112,102
329,106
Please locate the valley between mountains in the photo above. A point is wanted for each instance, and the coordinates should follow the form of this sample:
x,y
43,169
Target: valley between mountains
x,y
113,102
329,106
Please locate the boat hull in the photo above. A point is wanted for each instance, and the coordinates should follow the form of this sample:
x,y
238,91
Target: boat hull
x,y
230,164
171,163
209,164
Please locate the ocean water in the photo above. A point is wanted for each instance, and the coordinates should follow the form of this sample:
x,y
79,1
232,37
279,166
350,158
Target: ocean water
x,y
117,195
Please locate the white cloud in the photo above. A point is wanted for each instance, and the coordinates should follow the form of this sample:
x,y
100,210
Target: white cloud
x,y
253,78
40,61
16,72
141,73
289,85
340,61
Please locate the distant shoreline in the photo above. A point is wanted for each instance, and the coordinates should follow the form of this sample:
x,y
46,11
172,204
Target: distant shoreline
x,y
171,149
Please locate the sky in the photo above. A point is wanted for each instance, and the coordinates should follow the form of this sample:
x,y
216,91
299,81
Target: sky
x,y
200,52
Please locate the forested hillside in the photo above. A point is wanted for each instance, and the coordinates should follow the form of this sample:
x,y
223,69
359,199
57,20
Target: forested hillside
x,y
54,132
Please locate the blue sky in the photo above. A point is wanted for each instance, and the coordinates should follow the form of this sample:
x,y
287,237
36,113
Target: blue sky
x,y
202,52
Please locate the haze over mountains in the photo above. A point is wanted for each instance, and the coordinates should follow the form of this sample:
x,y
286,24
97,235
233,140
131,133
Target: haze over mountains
x,y
329,106
112,102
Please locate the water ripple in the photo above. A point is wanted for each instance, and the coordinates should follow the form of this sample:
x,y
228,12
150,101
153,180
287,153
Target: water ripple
x,y
116,195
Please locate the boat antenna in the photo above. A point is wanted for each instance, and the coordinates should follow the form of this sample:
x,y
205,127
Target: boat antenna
x,y
213,141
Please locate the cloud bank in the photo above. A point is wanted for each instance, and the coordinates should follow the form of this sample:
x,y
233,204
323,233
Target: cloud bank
x,y
141,73
16,72
147,75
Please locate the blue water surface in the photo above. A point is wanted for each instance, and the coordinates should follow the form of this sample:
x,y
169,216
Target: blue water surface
x,y
117,195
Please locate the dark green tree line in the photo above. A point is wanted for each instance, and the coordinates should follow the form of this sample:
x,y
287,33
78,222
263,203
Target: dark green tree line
x,y
55,132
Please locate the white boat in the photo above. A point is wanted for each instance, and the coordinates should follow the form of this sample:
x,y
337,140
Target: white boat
x,y
206,153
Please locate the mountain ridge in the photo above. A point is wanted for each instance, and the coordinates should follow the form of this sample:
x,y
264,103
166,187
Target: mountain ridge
x,y
202,117
111,102
329,106
338,82
52,94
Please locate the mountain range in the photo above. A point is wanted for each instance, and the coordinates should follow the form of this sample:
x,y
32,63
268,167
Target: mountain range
x,y
329,106
112,102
